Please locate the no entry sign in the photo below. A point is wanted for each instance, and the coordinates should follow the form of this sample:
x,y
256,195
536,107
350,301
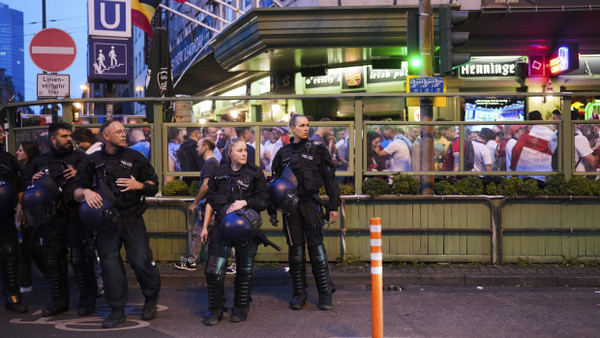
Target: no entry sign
x,y
52,50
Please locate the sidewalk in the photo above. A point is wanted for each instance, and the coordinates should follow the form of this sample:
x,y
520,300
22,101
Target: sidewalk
x,y
429,274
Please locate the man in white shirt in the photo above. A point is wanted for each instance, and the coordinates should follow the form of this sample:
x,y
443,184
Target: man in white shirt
x,y
483,155
272,146
584,152
399,152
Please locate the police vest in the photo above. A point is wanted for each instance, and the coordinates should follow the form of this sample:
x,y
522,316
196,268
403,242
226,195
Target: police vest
x,y
108,171
57,164
232,186
306,165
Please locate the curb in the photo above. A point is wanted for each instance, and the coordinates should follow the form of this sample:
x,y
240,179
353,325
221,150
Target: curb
x,y
550,276
270,276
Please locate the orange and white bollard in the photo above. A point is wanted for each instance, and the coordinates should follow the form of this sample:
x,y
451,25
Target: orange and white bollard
x,y
376,278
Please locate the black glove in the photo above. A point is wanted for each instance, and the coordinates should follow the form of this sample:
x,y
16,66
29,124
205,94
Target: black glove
x,y
273,219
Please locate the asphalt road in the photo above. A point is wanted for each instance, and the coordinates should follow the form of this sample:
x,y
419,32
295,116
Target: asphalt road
x,y
431,311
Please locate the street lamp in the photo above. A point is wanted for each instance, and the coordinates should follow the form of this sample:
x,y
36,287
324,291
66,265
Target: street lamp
x,y
86,90
78,107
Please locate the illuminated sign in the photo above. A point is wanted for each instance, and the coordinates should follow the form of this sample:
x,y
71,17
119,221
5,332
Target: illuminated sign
x,y
353,78
491,66
537,65
564,59
561,62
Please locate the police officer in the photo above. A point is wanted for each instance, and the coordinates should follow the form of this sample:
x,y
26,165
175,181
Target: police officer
x,y
10,184
127,175
61,163
233,188
312,166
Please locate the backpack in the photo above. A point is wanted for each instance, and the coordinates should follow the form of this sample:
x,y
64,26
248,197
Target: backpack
x,y
409,144
185,154
469,156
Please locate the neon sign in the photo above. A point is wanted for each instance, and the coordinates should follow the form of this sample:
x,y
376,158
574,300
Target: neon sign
x,y
563,59
561,62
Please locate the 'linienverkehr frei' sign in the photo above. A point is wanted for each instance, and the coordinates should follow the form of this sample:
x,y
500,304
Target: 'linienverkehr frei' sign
x,y
53,85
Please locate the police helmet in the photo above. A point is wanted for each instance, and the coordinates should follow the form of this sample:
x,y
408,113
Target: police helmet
x,y
97,218
241,225
282,191
8,198
38,201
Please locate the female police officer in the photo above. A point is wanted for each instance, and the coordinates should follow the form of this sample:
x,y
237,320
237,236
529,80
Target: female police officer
x,y
312,166
234,188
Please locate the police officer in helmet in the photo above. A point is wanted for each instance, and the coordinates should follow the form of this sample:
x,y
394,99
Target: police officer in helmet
x,y
312,166
59,166
129,176
234,188
10,185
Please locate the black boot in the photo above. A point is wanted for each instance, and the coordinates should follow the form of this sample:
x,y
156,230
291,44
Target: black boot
x,y
8,276
56,269
115,317
215,281
15,305
242,289
320,269
297,260
84,269
215,302
149,309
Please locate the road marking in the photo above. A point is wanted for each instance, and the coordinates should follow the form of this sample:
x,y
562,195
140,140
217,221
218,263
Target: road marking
x,y
92,323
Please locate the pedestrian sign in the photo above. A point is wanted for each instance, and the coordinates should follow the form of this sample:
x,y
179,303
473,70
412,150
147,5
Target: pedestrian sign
x,y
110,59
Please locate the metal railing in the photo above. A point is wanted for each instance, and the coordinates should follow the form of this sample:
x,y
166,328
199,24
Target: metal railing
x,y
357,128
564,127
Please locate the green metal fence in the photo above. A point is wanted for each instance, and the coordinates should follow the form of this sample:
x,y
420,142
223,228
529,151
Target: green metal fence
x,y
417,228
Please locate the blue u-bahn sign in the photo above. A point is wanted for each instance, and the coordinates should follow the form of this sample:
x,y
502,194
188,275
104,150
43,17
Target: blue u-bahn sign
x,y
109,18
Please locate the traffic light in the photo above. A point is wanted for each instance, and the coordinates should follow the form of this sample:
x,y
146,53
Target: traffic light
x,y
393,59
449,39
413,54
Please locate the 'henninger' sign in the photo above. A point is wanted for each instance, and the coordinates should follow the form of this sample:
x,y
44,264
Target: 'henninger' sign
x,y
490,67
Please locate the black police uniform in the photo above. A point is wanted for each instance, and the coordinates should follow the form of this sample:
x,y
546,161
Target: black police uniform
x,y
225,187
129,229
10,172
312,165
66,229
